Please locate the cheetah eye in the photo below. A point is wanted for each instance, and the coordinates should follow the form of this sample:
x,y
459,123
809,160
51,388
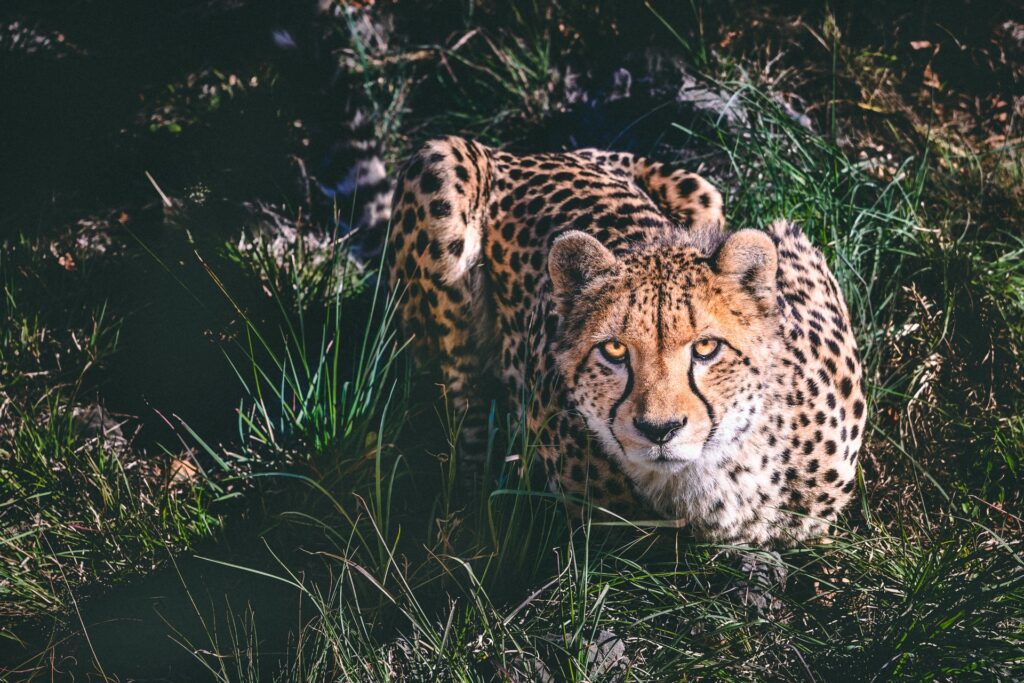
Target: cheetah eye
x,y
706,349
614,351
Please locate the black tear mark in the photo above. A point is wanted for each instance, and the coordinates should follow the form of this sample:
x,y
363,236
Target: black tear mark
x,y
615,408
696,392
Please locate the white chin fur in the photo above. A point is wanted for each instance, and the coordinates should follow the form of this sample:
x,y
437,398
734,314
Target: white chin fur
x,y
683,453
671,456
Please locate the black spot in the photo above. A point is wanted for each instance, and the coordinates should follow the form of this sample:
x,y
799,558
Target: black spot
x,y
455,247
430,183
858,408
440,208
688,186
582,221
409,220
560,196
414,168
831,476
543,226
846,387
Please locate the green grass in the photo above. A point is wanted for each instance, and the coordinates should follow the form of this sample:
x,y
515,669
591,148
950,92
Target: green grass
x,y
341,477
75,504
78,507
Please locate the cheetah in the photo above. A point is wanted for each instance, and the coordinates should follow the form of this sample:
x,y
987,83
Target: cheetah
x,y
666,365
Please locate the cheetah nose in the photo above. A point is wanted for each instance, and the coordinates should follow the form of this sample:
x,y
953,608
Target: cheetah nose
x,y
658,432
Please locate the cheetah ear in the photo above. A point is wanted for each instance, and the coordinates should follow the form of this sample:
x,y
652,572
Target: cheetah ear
x,y
749,256
575,259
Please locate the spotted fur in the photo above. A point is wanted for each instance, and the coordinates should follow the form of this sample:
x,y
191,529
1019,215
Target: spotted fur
x,y
522,268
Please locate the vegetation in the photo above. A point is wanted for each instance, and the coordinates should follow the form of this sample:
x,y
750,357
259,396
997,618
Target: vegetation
x,y
217,460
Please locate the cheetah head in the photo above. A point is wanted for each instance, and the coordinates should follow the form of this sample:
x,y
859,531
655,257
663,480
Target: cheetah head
x,y
664,348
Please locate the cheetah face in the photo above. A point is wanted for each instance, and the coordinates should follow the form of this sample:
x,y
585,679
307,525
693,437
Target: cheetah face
x,y
664,349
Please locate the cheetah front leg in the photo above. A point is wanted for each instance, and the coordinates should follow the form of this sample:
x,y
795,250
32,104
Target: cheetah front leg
x,y
760,581
436,239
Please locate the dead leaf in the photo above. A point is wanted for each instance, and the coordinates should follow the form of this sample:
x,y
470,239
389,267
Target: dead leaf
x,y
182,470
